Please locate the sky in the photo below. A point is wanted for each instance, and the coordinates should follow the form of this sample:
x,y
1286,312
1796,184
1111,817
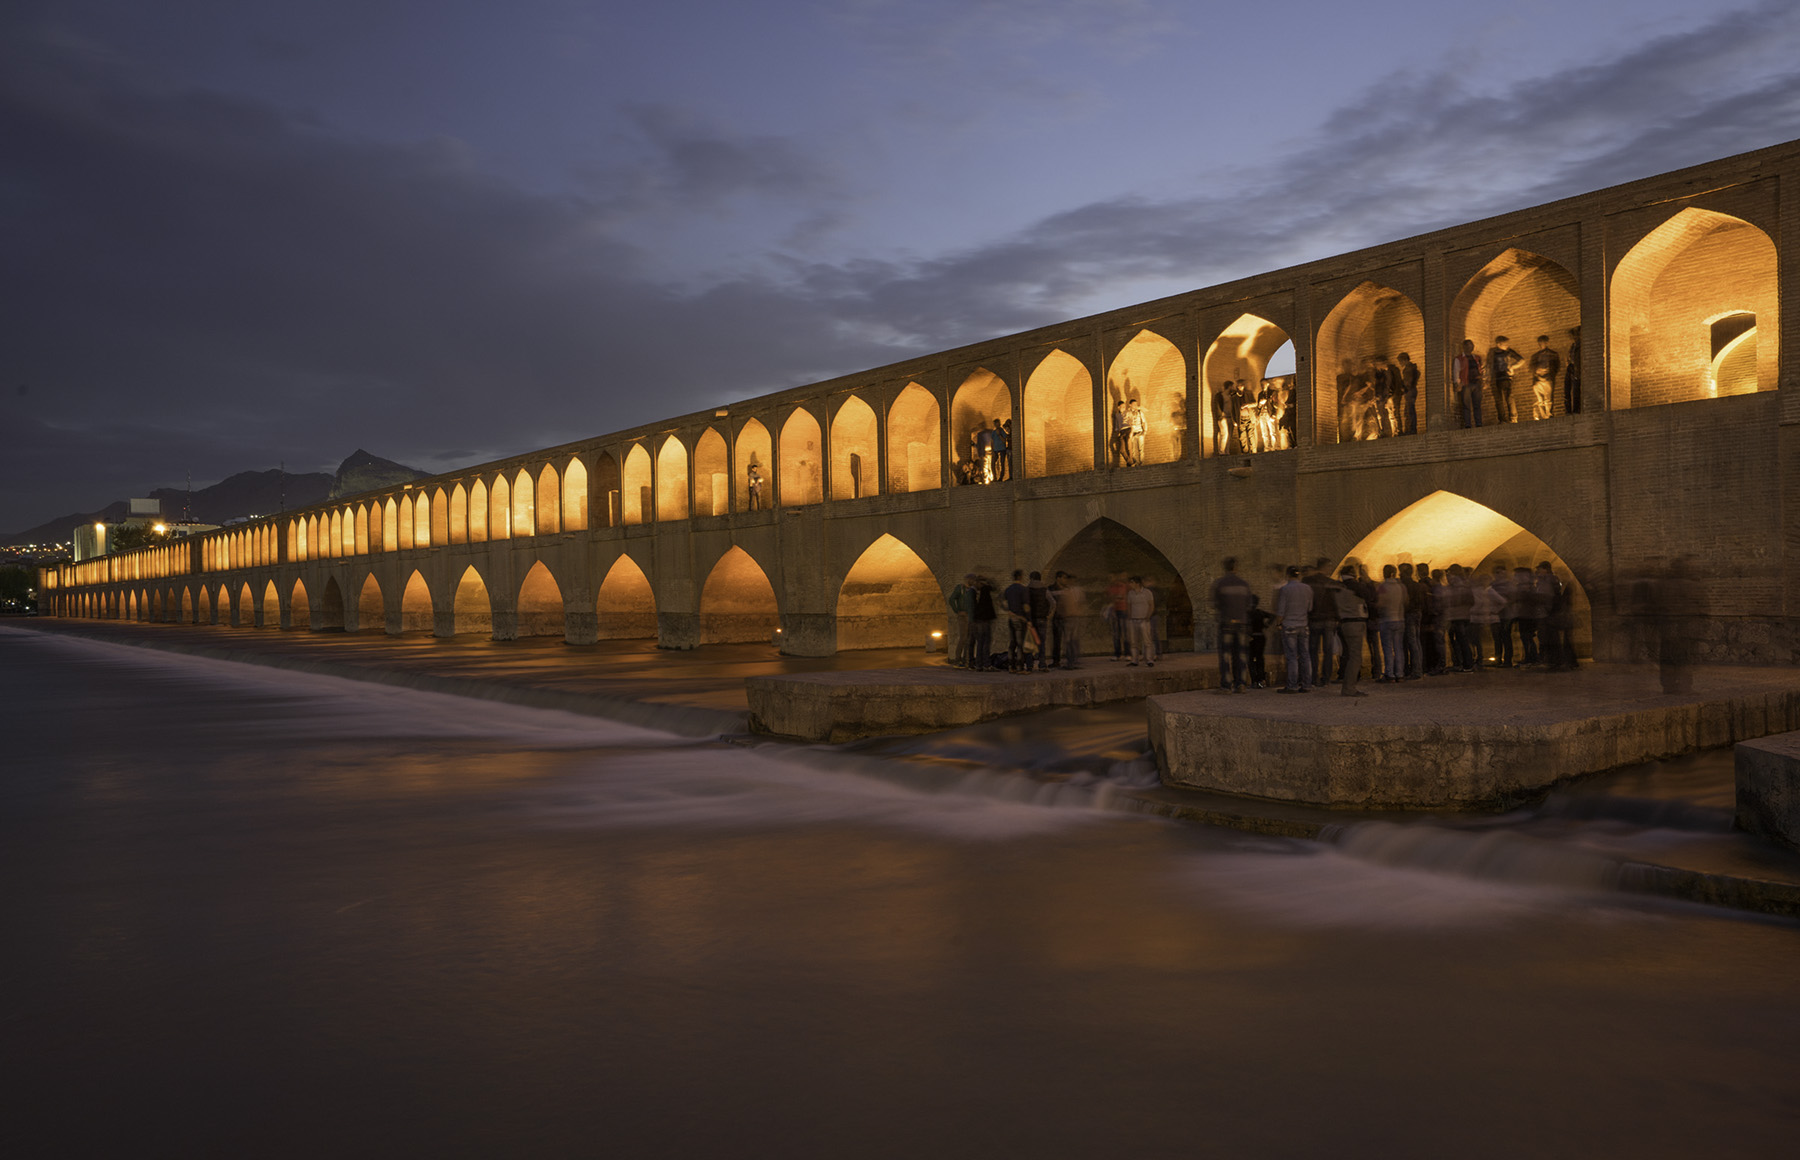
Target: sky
x,y
237,234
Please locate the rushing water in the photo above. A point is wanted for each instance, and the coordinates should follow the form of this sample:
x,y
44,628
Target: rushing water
x,y
250,912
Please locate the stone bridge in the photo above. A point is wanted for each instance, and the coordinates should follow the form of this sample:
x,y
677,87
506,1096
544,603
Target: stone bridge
x,y
857,521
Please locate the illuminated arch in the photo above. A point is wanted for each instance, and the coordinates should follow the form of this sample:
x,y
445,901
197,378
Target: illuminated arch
x,y
185,611
371,608
800,468
855,451
440,521
459,515
330,613
299,608
472,609
1151,371
888,599
575,496
914,441
1370,321
390,526
1243,350
672,480
754,449
362,530
1521,295
478,512
712,475
1058,421
1105,549
315,542
982,398
626,606
1668,294
1444,528
541,604
500,510
415,605
637,498
737,602
524,505
271,606
406,523
246,612
549,501
348,541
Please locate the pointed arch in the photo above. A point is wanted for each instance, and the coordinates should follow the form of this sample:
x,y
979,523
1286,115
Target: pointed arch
x,y
362,530
271,606
472,609
1521,295
639,499
317,542
541,604
415,605
1242,353
889,599
1370,322
800,466
549,501
371,607
606,487
524,505
737,602
626,606
500,510
1105,550
440,522
347,537
756,450
459,515
712,475
855,451
672,480
406,522
185,611
1151,372
1670,290
330,613
914,441
478,512
982,398
245,613
390,526
575,495
299,607
1058,421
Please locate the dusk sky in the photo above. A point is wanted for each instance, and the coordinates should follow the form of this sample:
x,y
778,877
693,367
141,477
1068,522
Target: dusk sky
x,y
240,233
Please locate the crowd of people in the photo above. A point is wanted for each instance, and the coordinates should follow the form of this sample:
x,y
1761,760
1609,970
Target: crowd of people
x,y
1032,625
1247,420
1474,374
1414,621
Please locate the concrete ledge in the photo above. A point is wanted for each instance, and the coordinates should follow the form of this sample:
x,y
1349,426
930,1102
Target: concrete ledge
x,y
1768,788
847,706
1484,741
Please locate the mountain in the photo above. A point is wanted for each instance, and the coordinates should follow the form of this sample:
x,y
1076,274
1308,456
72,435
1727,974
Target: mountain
x,y
248,493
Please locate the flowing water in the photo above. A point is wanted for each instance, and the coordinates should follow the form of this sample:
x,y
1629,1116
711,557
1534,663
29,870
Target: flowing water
x,y
260,913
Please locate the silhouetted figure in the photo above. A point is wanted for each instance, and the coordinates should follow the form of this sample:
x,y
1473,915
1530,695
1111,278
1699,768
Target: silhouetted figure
x,y
755,488
1545,365
1408,375
1676,607
1501,360
1465,368
1572,375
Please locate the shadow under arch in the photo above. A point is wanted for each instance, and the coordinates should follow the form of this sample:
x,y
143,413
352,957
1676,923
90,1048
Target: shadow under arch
x,y
371,608
415,605
471,608
626,606
1668,294
1104,548
541,604
1444,528
1371,321
889,599
1242,351
737,602
330,613
1521,295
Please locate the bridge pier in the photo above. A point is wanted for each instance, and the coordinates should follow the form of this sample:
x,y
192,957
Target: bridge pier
x,y
581,623
678,630
809,634
506,623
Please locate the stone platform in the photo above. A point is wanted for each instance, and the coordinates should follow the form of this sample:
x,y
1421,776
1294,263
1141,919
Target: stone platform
x,y
848,706
1483,740
1768,788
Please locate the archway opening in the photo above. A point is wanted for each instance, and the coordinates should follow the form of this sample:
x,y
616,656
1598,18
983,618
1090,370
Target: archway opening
x,y
855,454
478,512
415,606
626,606
1107,552
1670,291
459,515
1249,398
371,609
500,509
271,606
915,457
549,501
575,496
889,599
981,401
1058,426
471,609
299,608
639,499
245,613
754,472
801,467
524,505
1365,332
672,480
186,609
1521,296
541,604
712,475
738,602
606,486
1445,528
1148,382
330,613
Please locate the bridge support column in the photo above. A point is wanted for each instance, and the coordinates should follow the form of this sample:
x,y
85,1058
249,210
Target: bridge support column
x,y
393,620
506,622
287,617
678,630
581,625
443,622
809,634
352,618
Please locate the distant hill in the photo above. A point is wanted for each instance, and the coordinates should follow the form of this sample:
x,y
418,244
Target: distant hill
x,y
248,493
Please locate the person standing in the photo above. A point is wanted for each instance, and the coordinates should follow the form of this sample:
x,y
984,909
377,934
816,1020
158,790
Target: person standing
x,y
1462,603
1501,360
1484,616
1117,441
1115,615
1390,600
1038,597
1414,643
756,487
1056,618
1140,614
1071,605
982,615
1135,428
1017,600
1231,601
1408,375
1572,374
1466,367
1353,598
1260,620
1545,364
1223,413
960,601
1509,611
1293,603
1322,626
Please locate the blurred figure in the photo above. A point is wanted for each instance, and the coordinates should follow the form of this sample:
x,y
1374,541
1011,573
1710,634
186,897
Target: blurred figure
x,y
1408,376
1140,618
1676,608
1231,602
1501,360
1293,603
1466,369
1572,374
1545,364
